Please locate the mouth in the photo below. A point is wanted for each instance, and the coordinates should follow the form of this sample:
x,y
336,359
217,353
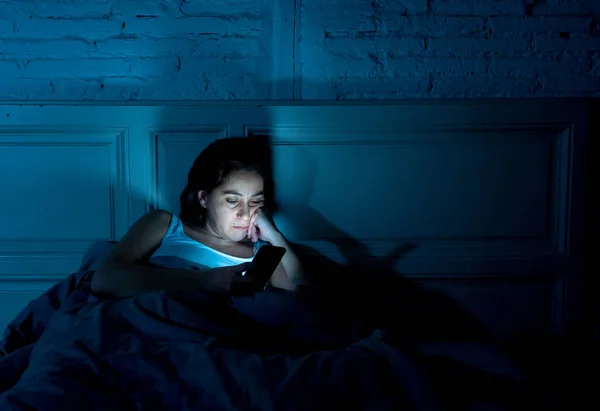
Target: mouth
x,y
240,228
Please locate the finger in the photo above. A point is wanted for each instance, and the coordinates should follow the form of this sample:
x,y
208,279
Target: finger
x,y
254,218
239,269
250,227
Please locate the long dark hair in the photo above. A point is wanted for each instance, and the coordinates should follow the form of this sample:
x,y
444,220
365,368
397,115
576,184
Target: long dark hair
x,y
216,162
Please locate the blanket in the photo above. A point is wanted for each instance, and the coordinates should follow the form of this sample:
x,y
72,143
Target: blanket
x,y
187,351
71,350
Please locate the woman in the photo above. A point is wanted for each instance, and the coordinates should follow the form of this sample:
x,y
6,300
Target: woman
x,y
211,243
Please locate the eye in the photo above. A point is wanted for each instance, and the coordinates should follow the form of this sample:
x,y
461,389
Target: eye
x,y
232,202
257,203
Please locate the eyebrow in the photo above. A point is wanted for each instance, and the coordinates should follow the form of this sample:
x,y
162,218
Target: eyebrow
x,y
233,192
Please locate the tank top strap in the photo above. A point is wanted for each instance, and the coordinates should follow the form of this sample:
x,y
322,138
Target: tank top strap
x,y
175,226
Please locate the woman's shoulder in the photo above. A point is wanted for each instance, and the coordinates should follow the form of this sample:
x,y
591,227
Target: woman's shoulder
x,y
158,214
156,218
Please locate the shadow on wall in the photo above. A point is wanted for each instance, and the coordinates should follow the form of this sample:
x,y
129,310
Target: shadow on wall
x,y
362,286
591,280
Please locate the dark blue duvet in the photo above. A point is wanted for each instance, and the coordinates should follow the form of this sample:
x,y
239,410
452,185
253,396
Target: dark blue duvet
x,y
70,350
185,351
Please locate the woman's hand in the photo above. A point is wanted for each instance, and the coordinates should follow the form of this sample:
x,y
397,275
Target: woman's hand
x,y
220,279
289,272
262,227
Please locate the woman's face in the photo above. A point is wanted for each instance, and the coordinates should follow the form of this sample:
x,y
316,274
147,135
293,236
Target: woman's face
x,y
230,205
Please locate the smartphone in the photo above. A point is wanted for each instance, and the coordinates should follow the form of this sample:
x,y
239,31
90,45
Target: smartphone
x,y
264,263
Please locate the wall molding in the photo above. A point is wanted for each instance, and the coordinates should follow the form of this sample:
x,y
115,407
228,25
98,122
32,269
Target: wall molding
x,y
557,137
541,265
117,138
162,138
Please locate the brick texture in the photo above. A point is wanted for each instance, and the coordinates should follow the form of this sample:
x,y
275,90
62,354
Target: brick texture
x,y
450,48
134,49
343,49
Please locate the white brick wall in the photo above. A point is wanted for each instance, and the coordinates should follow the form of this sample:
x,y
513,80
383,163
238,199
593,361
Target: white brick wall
x,y
253,49
450,48
134,49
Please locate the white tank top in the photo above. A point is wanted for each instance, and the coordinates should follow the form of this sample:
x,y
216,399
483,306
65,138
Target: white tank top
x,y
178,250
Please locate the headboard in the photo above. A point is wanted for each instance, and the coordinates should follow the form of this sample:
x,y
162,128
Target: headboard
x,y
488,194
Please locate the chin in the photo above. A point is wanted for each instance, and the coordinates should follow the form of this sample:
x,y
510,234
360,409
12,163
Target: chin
x,y
236,235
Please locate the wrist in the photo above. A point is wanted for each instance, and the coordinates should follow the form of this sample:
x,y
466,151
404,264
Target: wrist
x,y
277,239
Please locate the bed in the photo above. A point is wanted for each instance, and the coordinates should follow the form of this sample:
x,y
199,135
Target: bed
x,y
71,350
471,243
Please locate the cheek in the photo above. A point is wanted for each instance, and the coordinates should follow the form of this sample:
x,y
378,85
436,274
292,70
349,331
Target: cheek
x,y
228,212
222,213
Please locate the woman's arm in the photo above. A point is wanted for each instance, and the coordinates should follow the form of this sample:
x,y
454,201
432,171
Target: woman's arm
x,y
120,279
123,275
289,273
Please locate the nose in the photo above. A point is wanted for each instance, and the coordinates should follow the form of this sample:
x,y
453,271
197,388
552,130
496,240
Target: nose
x,y
244,213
